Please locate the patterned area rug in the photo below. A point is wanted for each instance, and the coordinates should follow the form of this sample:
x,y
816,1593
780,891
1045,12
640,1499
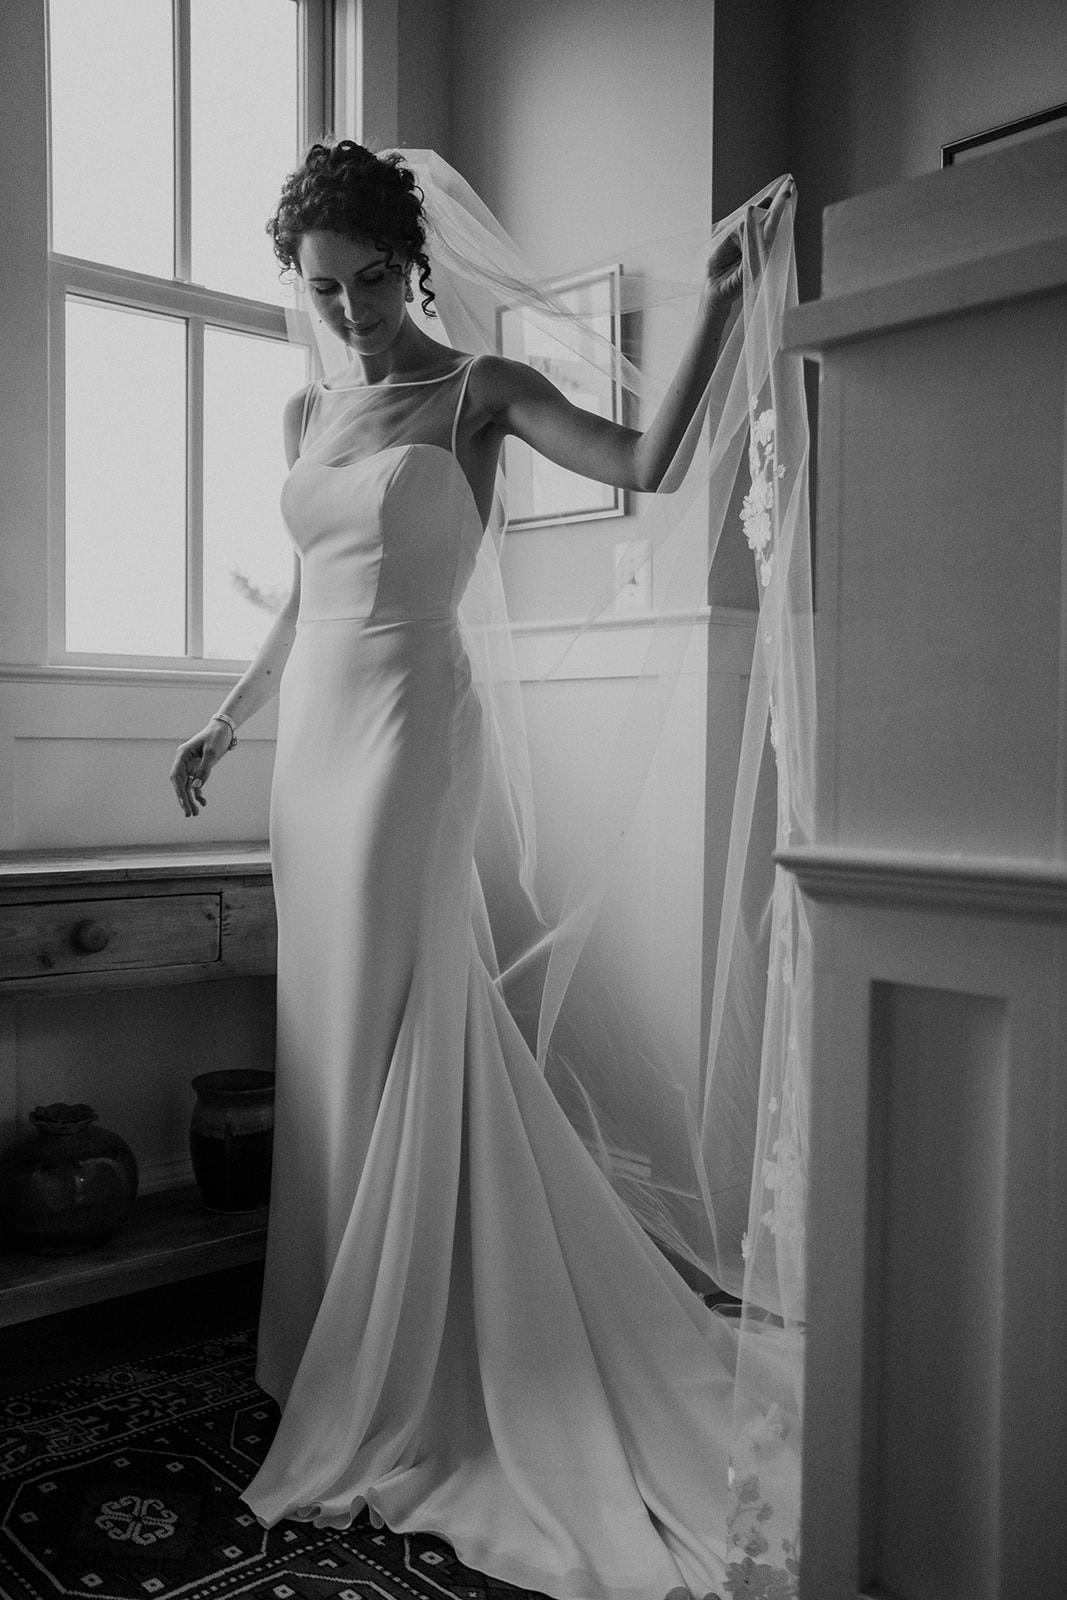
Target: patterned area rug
x,y
123,1485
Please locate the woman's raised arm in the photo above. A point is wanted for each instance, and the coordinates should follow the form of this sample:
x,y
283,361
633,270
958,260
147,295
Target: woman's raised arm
x,y
524,403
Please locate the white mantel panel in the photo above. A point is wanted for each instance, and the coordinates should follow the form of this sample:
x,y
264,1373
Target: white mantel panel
x,y
935,1451
949,605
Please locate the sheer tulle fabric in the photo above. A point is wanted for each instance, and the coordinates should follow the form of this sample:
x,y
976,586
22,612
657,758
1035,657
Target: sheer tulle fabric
x,y
709,1154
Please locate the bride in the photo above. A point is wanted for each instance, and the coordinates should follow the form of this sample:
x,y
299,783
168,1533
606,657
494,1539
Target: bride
x,y
466,1330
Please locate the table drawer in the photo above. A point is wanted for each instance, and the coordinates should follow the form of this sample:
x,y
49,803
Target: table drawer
x,y
249,927
47,940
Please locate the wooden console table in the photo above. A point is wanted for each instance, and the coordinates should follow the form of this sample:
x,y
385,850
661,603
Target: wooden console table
x,y
75,922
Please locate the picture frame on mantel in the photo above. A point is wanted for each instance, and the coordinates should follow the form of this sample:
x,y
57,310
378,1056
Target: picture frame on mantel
x,y
540,493
1004,136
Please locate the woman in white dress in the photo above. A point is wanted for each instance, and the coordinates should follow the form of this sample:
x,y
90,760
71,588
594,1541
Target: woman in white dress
x,y
465,1329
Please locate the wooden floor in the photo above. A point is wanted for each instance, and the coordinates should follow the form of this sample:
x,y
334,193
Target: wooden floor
x,y
128,1329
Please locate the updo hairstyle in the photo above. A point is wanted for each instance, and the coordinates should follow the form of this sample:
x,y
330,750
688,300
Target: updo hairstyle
x,y
347,189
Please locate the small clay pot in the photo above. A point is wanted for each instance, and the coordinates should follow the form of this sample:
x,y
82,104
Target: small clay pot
x,y
68,1185
231,1138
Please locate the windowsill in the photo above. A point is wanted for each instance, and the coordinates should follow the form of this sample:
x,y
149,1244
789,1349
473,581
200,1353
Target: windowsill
x,y
81,672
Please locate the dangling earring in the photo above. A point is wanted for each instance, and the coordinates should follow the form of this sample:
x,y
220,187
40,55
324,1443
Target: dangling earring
x,y
409,293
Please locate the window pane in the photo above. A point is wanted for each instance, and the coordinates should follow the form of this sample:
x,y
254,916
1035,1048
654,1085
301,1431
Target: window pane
x,y
125,481
244,138
248,557
112,107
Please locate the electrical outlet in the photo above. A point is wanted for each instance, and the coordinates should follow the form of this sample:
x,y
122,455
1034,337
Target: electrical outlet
x,y
633,577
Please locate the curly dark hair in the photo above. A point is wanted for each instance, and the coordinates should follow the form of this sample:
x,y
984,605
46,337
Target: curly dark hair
x,y
347,189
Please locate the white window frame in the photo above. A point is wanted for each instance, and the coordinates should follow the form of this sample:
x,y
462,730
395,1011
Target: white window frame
x,y
199,308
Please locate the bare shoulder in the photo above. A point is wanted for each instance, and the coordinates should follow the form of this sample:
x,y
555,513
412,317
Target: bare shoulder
x,y
497,384
294,406
292,422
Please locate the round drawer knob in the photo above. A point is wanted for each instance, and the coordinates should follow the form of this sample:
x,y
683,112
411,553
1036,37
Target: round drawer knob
x,y
90,936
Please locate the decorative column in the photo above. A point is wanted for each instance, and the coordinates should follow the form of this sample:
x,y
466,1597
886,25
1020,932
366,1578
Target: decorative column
x,y
935,1463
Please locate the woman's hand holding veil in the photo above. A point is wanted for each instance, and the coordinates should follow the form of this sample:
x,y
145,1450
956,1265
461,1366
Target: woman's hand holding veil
x,y
755,233
663,453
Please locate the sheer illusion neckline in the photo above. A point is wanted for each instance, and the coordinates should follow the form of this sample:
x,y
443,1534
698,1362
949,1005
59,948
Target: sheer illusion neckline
x,y
405,383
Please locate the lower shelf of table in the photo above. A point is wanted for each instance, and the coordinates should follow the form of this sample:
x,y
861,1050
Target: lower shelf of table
x,y
169,1237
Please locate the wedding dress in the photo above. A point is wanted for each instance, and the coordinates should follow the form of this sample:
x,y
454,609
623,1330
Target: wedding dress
x,y
482,1123
466,1329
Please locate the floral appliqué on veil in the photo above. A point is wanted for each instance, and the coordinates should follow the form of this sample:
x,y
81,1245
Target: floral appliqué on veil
x,y
763,1524
761,1444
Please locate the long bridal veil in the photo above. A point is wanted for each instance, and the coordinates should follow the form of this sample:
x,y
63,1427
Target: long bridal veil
x,y
700,1125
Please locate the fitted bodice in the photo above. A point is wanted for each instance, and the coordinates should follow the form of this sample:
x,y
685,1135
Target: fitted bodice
x,y
377,505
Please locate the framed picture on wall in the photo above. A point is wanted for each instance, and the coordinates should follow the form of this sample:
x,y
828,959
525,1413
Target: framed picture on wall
x,y
539,492
1001,138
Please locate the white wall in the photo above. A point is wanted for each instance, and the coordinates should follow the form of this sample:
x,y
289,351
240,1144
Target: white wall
x,y
876,89
587,127
585,124
406,93
424,87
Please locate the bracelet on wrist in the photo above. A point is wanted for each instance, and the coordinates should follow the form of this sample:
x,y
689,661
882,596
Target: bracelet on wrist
x,y
220,716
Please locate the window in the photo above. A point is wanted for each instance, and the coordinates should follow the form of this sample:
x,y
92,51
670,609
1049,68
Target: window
x,y
173,123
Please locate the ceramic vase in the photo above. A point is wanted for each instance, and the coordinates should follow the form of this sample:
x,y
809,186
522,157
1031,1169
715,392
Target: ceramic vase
x,y
231,1138
68,1185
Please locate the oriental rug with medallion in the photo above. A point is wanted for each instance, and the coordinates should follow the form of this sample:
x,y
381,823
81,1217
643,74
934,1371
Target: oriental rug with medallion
x,y
123,1485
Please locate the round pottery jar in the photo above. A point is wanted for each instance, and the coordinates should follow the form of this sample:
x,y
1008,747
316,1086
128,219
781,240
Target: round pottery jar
x,y
231,1138
68,1185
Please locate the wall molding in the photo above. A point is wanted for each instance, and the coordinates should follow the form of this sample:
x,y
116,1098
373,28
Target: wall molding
x,y
728,616
989,886
717,639
713,638
1001,279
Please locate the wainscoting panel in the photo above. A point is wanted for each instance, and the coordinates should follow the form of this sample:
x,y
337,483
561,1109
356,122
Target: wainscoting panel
x,y
85,754
937,1316
100,791
938,1143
